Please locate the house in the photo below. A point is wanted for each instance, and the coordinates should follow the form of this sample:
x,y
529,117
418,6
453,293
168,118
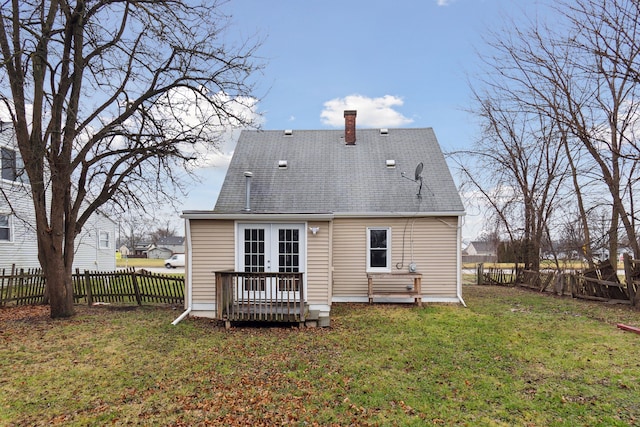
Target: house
x,y
95,245
480,251
165,247
481,248
140,250
317,217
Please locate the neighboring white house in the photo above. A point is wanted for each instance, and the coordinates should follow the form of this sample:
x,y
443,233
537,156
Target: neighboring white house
x,y
95,245
165,247
480,251
482,248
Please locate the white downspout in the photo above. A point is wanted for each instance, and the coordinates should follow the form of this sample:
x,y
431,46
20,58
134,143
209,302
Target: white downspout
x,y
459,262
188,270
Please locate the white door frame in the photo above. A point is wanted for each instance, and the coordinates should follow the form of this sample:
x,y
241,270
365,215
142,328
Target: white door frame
x,y
266,242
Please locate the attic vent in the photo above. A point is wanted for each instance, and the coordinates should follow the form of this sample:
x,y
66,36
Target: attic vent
x,y
288,132
384,131
391,164
282,164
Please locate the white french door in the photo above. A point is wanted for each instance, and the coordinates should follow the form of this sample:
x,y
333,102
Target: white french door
x,y
271,248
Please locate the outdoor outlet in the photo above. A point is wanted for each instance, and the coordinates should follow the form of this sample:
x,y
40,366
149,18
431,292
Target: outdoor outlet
x,y
413,267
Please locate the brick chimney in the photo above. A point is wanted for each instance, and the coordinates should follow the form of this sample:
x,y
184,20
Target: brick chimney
x,y
350,127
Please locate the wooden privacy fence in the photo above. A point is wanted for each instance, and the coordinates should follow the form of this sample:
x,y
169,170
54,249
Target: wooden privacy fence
x,y
21,286
24,287
496,275
538,280
600,284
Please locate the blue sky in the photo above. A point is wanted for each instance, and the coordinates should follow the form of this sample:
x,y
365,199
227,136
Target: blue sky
x,y
402,63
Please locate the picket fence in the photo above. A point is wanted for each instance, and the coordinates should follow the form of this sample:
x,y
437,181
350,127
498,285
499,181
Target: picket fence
x,y
28,286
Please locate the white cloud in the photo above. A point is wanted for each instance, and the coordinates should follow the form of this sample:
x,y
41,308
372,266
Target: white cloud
x,y
444,2
190,113
372,112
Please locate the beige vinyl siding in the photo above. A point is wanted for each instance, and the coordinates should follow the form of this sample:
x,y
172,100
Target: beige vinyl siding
x,y
436,245
213,250
349,256
433,242
318,268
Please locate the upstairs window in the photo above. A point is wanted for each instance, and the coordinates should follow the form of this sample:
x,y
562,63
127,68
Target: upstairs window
x,y
12,166
104,240
8,163
5,228
379,249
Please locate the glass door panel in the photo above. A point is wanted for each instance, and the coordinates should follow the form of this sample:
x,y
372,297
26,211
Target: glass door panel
x,y
254,260
288,262
270,248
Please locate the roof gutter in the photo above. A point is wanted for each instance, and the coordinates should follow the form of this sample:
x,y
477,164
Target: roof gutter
x,y
397,214
188,282
257,216
313,216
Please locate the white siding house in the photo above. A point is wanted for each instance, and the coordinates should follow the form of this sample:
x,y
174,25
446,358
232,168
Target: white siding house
x,y
95,246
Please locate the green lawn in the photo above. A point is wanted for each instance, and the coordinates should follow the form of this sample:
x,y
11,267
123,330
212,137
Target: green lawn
x,y
545,264
512,357
139,262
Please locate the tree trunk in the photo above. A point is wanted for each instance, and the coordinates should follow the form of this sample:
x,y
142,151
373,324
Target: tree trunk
x,y
613,239
584,220
60,288
55,247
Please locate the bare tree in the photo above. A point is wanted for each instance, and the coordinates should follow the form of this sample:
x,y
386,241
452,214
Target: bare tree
x,y
163,232
581,74
111,101
133,230
519,167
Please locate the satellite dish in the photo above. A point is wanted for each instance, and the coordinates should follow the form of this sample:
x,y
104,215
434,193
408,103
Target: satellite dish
x,y
418,174
417,178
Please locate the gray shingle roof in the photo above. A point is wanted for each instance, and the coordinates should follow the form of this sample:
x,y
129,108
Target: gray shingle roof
x,y
324,175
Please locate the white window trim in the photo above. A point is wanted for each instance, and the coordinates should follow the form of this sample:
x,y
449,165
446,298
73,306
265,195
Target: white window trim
x,y
21,174
100,245
386,269
10,217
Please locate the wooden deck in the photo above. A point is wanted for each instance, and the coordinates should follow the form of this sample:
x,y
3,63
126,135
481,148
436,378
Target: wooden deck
x,y
265,312
260,297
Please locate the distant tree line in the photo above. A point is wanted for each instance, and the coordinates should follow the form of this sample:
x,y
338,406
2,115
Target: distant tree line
x,y
137,229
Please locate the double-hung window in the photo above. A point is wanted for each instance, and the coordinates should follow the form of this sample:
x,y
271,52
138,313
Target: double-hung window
x,y
104,242
12,166
5,227
379,249
8,163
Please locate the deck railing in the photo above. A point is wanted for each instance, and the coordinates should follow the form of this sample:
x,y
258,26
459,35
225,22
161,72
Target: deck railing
x,y
260,296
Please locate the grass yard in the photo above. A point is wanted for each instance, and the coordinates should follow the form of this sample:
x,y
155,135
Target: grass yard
x,y
139,262
512,358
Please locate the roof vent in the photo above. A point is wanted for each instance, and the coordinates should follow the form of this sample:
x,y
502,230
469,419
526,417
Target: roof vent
x,y
384,131
391,164
247,204
282,164
288,132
